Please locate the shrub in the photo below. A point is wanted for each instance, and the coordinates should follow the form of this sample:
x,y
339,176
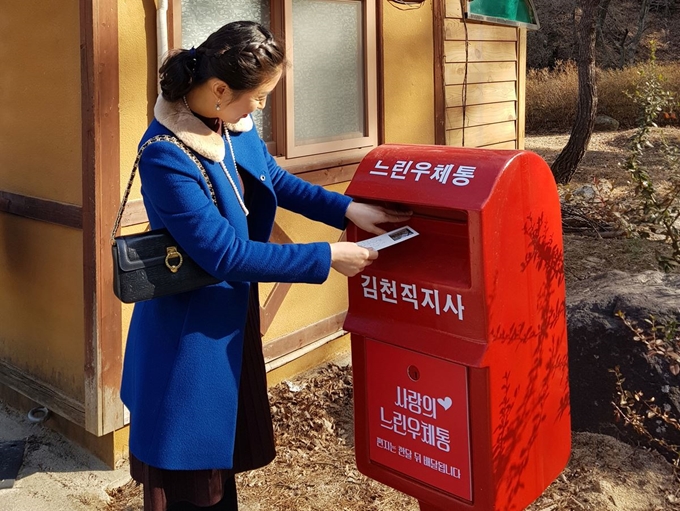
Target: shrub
x,y
551,95
551,98
657,208
657,425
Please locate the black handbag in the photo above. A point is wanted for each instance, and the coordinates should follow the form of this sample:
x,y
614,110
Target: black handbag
x,y
152,264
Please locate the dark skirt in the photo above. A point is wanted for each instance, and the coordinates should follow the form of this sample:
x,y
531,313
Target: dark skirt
x,y
254,444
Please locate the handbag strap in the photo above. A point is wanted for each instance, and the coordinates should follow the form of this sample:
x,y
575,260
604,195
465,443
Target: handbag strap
x,y
126,195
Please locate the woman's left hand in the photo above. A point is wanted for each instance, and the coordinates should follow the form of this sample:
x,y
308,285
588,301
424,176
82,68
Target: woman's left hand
x,y
368,216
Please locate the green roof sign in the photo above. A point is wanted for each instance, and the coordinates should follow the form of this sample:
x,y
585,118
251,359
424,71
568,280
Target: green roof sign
x,y
519,13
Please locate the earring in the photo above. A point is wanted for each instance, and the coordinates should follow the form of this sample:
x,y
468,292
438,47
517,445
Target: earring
x,y
217,106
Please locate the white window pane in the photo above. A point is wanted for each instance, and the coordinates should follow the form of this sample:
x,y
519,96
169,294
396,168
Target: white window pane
x,y
328,70
200,18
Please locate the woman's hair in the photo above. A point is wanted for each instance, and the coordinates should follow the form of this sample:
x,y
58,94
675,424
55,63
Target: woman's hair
x,y
242,54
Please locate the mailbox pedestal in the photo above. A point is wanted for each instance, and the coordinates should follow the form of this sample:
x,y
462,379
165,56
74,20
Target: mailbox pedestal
x,y
459,345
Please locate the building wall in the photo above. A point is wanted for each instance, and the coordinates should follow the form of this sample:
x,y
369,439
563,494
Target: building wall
x,y
483,82
41,267
40,141
408,79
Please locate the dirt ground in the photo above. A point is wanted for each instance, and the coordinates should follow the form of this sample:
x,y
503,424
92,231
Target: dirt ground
x,y
315,469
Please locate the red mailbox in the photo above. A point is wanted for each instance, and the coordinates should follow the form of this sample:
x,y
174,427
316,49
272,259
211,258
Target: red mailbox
x,y
459,345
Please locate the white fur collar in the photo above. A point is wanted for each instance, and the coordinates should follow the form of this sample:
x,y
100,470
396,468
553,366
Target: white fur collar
x,y
175,116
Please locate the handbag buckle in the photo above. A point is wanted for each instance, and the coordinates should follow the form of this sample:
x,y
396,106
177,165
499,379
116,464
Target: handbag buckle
x,y
173,254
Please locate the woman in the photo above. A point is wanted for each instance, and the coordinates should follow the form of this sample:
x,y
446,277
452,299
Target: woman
x,y
194,378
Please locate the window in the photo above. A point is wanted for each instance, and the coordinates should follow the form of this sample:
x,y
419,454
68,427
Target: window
x,y
326,103
503,12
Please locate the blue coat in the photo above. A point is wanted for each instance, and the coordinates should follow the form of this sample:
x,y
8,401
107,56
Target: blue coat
x,y
183,355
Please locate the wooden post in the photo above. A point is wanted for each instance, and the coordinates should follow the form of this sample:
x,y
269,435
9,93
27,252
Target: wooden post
x,y
101,192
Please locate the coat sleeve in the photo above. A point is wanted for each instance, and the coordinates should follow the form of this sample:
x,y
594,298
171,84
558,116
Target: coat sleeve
x,y
172,185
312,201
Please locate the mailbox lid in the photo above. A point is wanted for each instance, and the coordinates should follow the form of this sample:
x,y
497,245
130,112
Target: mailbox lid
x,y
439,176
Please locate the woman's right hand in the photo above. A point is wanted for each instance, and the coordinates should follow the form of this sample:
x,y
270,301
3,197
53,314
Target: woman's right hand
x,y
349,258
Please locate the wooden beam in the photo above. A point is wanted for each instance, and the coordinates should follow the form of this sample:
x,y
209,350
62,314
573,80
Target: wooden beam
x,y
483,136
511,144
43,210
481,51
438,13
480,136
481,93
306,164
454,9
175,24
454,138
332,176
278,235
457,30
479,72
380,67
279,291
42,393
521,86
101,196
289,343
272,305
134,214
476,115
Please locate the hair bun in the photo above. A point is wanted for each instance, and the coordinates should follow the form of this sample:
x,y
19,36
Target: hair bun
x,y
242,54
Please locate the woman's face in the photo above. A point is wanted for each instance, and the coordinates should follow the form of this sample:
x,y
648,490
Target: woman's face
x,y
249,101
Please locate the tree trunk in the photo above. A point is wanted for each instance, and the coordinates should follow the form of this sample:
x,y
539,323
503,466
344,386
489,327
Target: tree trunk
x,y
566,163
601,18
602,12
632,49
622,49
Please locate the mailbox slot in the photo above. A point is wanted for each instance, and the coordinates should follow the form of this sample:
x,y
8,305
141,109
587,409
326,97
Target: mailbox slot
x,y
441,252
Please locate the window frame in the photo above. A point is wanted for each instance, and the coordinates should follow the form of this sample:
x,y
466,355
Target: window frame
x,y
370,88
467,12
320,155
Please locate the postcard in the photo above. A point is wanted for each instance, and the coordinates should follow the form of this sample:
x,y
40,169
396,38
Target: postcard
x,y
389,238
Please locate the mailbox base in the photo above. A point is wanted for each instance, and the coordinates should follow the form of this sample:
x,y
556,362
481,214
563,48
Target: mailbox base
x,y
506,450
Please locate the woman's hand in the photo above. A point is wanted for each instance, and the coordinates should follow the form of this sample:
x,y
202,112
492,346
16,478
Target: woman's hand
x,y
350,259
367,216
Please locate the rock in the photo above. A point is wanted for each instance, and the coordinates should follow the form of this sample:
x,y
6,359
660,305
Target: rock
x,y
606,123
599,341
586,192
